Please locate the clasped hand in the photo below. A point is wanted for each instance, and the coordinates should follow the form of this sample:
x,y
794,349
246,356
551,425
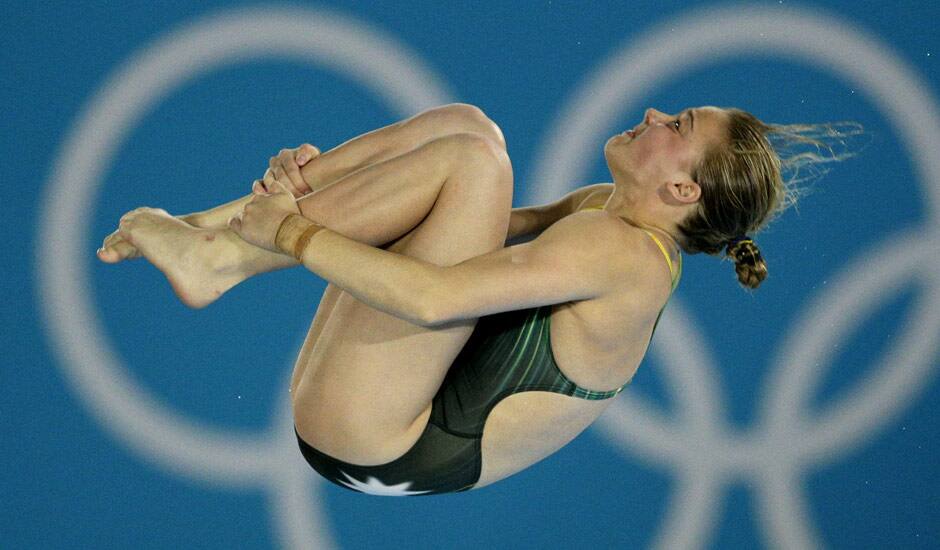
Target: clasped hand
x,y
274,197
259,221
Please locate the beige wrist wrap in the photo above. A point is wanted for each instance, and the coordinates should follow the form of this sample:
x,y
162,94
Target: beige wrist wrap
x,y
294,233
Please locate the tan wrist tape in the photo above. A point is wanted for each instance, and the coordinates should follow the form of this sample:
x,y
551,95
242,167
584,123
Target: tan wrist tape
x,y
294,233
304,239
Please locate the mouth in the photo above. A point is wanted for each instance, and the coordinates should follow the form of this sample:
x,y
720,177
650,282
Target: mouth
x,y
633,132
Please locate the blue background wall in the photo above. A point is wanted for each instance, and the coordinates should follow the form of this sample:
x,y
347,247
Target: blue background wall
x,y
803,415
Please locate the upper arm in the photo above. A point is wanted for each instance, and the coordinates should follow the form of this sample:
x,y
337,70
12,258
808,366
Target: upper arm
x,y
579,258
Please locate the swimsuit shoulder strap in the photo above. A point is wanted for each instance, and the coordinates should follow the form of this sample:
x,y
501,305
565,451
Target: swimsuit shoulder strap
x,y
674,273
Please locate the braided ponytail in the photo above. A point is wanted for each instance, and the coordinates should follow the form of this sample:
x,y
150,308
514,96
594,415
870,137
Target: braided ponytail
x,y
748,262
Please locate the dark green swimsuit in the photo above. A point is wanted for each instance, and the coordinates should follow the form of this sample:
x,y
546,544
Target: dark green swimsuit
x,y
507,353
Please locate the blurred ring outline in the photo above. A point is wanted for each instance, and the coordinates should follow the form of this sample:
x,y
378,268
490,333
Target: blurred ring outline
x,y
655,439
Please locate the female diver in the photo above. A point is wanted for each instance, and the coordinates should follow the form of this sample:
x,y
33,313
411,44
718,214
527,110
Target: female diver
x,y
439,359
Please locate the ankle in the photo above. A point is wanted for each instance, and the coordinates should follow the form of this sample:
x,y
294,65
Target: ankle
x,y
237,257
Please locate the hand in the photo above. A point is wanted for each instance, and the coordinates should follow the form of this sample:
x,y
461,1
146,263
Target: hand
x,y
262,216
286,168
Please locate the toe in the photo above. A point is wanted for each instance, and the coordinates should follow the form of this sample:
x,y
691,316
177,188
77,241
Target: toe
x,y
117,250
111,239
126,250
107,255
124,231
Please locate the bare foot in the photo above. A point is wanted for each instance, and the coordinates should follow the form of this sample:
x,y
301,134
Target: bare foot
x,y
201,264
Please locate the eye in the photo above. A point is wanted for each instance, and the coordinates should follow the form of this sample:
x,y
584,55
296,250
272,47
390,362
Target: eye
x,y
677,122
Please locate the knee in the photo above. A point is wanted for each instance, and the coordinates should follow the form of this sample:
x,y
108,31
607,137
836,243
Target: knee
x,y
457,118
479,153
480,166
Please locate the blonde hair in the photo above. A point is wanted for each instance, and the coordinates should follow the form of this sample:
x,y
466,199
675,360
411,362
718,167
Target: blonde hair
x,y
743,189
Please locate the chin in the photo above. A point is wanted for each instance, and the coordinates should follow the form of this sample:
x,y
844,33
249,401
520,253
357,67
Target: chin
x,y
615,150
607,158
608,146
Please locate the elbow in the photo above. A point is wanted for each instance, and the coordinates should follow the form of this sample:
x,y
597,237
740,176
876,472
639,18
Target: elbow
x,y
431,313
436,307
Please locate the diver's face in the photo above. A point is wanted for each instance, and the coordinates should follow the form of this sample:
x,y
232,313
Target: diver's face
x,y
664,147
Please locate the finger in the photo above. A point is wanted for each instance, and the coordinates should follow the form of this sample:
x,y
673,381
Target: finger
x,y
273,164
284,170
280,187
292,172
306,152
285,156
280,174
258,188
268,179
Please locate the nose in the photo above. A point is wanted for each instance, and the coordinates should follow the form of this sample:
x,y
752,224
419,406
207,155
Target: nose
x,y
651,116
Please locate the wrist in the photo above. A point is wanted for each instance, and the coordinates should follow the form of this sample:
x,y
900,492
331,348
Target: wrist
x,y
293,235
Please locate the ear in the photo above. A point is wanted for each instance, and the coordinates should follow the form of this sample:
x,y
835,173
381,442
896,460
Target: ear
x,y
685,191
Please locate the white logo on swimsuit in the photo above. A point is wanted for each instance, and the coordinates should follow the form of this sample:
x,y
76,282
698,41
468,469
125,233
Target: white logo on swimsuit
x,y
375,487
699,445
787,442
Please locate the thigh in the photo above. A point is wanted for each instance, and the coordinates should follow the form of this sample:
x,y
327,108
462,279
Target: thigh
x,y
324,309
327,301
368,383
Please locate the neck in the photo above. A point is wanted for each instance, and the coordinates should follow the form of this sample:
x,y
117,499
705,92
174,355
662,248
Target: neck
x,y
639,209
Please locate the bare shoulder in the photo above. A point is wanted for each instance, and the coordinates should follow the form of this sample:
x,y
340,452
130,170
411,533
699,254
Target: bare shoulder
x,y
595,227
592,240
629,252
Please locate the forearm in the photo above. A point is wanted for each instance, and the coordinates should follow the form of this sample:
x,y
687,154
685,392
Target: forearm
x,y
393,283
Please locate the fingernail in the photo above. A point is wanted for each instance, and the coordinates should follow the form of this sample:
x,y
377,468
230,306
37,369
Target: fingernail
x,y
302,159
